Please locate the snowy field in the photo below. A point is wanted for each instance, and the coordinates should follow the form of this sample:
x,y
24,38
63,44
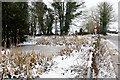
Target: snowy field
x,y
71,61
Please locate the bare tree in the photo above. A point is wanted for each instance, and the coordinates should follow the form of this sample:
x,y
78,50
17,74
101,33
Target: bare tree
x,y
103,15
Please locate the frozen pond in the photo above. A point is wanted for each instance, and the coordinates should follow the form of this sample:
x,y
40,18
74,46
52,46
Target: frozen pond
x,y
47,50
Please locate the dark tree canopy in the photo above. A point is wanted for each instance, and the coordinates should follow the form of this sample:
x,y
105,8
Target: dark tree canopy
x,y
20,18
15,17
105,11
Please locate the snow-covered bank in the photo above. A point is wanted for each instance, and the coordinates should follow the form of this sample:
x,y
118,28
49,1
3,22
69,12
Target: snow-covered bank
x,y
70,62
112,34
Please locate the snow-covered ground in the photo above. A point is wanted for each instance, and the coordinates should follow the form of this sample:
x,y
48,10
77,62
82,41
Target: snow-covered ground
x,y
112,34
71,61
76,65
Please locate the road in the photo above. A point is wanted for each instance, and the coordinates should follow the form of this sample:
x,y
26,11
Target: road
x,y
115,58
114,40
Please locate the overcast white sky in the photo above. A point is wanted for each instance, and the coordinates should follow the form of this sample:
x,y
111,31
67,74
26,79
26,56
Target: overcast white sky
x,y
93,3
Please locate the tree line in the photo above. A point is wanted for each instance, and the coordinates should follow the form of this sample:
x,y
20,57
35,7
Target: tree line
x,y
23,18
20,18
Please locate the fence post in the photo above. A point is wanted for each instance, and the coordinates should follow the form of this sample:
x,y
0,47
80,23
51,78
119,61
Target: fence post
x,y
88,74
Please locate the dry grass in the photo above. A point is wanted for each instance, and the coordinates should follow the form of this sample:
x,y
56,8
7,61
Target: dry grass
x,y
19,59
29,60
